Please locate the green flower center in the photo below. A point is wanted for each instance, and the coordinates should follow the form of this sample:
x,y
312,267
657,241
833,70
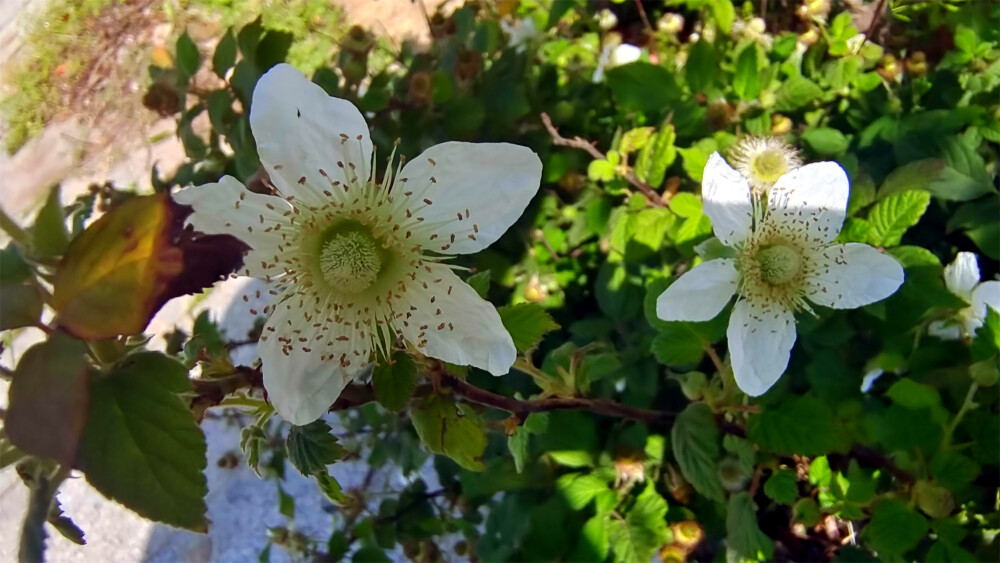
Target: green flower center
x,y
779,264
769,165
351,261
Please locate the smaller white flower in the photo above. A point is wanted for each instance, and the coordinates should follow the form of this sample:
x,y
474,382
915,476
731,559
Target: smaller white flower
x,y
783,256
615,55
606,19
961,277
522,32
670,23
764,160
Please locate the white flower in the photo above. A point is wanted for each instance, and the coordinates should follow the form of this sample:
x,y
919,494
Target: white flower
x,y
961,277
784,255
606,19
763,160
613,55
870,378
357,265
522,32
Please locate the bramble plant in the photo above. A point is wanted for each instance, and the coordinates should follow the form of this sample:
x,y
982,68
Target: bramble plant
x,y
536,285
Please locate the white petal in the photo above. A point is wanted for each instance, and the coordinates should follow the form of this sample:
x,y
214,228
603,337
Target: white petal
x,y
477,191
300,130
760,342
869,379
851,275
811,201
227,208
962,275
944,330
986,294
452,323
725,197
301,385
700,294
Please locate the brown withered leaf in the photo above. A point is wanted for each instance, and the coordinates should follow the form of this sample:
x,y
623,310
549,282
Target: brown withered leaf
x,y
126,265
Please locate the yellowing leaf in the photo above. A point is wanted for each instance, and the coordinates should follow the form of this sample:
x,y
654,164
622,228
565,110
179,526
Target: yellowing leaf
x,y
117,273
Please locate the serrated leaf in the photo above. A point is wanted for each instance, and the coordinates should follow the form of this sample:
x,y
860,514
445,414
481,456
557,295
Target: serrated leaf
x,y
677,344
825,141
330,488
141,445
395,382
642,531
312,447
527,323
49,236
480,281
894,215
781,487
701,67
954,470
642,87
796,92
743,535
579,490
225,55
450,428
48,399
917,175
894,529
801,425
695,440
746,80
916,396
64,525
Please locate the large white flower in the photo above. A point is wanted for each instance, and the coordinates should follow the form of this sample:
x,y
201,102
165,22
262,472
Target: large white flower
x,y
961,277
357,265
783,255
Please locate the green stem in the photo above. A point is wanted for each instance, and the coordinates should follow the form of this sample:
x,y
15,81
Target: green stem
x,y
9,226
967,405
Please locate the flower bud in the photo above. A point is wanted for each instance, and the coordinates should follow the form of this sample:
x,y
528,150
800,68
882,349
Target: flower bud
x,y
916,64
606,20
731,474
780,124
670,23
673,554
687,534
358,41
420,88
984,373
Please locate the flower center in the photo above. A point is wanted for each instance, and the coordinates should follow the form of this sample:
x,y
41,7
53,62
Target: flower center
x,y
779,264
351,261
769,165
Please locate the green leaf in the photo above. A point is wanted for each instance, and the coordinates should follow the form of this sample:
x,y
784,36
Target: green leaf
x,y
825,141
686,205
48,399
894,529
450,428
796,92
188,58
13,268
579,490
527,323
225,54
677,344
617,294
330,488
642,87
695,441
49,236
701,67
724,14
954,470
658,154
912,395
743,535
746,80
141,445
797,426
518,443
312,447
643,530
395,382
917,175
480,281
593,542
20,306
781,487
894,215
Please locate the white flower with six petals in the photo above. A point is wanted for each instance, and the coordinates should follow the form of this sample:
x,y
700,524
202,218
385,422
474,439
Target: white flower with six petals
x,y
784,255
357,265
961,277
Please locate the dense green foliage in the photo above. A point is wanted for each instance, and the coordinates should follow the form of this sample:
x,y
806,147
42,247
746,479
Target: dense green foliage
x,y
660,452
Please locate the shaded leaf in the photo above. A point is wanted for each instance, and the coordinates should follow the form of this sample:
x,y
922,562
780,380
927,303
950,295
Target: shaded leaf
x,y
801,425
48,235
395,382
48,399
141,445
894,529
312,447
20,306
781,487
743,535
695,440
